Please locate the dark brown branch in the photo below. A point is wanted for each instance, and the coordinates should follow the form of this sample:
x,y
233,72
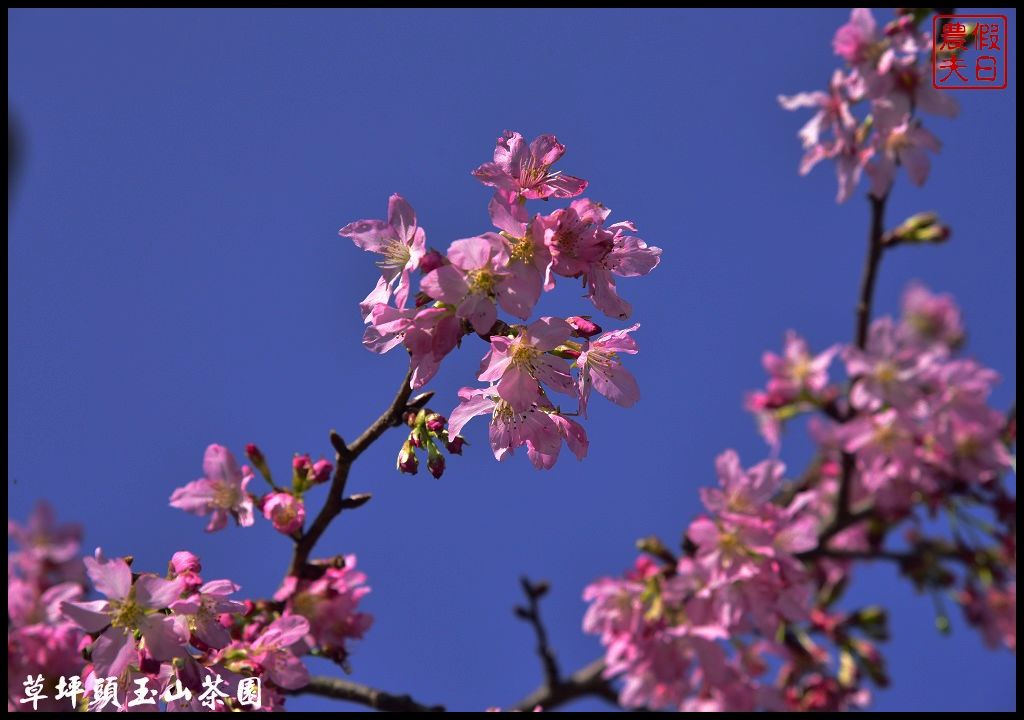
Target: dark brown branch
x,y
531,614
841,519
587,682
870,273
344,457
370,697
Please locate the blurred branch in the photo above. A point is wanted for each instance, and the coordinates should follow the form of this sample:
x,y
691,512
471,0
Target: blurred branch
x,y
339,689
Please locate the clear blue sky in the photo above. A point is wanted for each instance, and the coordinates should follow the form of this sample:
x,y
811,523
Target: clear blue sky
x,y
175,279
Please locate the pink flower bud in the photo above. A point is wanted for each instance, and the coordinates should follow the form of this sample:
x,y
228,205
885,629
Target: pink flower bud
x,y
430,261
583,326
285,511
302,464
436,464
322,471
454,445
407,460
185,562
254,454
436,422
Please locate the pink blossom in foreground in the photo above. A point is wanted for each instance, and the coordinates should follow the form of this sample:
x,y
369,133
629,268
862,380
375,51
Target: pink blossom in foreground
x,y
472,280
525,170
285,511
601,369
528,256
203,608
428,333
521,363
581,246
273,651
540,428
400,241
221,492
130,607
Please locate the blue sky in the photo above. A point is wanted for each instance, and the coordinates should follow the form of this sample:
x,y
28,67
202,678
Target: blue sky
x,y
175,279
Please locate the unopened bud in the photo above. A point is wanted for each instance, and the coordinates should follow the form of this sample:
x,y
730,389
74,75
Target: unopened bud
x,y
322,471
254,454
302,464
921,228
407,460
454,445
431,261
435,463
184,561
436,422
582,326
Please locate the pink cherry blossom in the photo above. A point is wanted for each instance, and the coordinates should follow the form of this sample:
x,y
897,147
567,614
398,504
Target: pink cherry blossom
x,y
472,280
400,241
930,319
904,143
521,363
428,333
131,606
203,607
540,428
274,651
331,605
601,369
797,372
221,492
285,511
525,170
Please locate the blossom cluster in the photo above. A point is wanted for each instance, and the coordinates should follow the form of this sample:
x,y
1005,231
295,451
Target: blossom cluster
x,y
759,570
167,639
223,491
887,71
508,268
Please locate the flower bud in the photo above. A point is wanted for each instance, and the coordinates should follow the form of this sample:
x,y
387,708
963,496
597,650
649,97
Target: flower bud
x,y
301,465
322,471
435,461
185,562
436,422
454,445
431,261
918,229
285,511
254,454
407,460
582,326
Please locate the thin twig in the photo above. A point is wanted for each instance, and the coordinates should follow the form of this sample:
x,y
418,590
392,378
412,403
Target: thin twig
x,y
531,614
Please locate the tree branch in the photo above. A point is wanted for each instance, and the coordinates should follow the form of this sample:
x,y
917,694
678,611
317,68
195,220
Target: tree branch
x,y
339,689
345,456
531,614
586,682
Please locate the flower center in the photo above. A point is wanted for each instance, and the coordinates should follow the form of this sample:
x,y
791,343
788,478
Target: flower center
x,y
125,613
396,255
225,496
481,281
521,250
